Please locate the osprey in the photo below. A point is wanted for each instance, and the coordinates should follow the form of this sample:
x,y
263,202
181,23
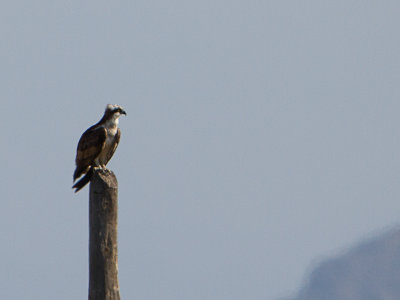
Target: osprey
x,y
97,145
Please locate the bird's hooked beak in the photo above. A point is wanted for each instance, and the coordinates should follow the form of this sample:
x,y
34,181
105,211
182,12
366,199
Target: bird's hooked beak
x,y
122,112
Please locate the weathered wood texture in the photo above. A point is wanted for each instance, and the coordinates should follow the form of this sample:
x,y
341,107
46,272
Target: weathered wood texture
x,y
103,247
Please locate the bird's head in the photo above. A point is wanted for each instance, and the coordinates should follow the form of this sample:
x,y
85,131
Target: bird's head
x,y
114,110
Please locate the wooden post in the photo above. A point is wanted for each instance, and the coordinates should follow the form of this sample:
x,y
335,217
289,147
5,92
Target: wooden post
x,y
103,247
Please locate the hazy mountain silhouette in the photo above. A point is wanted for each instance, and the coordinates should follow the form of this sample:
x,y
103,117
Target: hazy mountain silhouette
x,y
370,271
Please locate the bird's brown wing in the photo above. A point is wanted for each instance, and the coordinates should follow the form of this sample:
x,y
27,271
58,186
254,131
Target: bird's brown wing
x,y
115,145
89,147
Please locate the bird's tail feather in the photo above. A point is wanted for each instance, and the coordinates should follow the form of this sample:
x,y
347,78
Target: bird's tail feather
x,y
83,181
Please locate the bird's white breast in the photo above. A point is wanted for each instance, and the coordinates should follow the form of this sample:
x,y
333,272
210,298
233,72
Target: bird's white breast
x,y
112,127
111,132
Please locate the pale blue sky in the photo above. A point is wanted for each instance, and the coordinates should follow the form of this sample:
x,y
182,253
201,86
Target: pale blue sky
x,y
261,137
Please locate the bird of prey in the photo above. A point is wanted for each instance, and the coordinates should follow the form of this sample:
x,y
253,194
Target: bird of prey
x,y
97,145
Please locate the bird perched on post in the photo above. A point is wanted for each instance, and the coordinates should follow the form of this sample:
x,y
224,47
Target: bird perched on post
x,y
97,145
